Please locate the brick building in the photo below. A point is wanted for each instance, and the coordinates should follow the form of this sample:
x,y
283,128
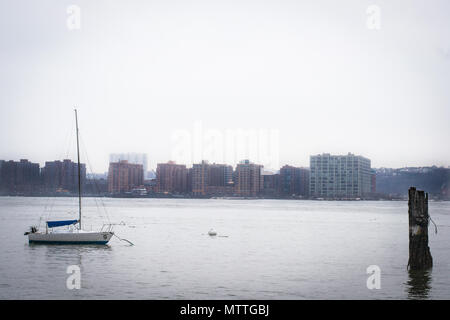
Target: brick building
x,y
248,179
171,178
124,176
294,181
19,176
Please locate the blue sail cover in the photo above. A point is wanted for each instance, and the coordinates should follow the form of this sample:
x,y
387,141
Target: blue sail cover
x,y
52,224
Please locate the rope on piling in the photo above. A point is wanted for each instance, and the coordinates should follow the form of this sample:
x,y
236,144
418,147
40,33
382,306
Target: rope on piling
x,y
435,226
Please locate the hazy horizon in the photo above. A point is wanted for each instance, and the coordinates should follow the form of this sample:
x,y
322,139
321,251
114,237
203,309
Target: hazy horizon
x,y
311,76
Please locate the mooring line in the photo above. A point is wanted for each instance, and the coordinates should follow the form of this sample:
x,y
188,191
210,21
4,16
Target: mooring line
x,y
131,243
435,226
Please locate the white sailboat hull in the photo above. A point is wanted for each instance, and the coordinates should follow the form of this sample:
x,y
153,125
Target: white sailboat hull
x,y
76,237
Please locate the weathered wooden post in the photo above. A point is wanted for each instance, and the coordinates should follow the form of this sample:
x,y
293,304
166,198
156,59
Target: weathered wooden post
x,y
419,252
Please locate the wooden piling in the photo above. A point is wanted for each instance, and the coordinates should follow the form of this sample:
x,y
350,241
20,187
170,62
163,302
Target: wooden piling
x,y
419,252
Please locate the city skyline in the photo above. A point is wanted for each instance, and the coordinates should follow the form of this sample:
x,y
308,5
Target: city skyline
x,y
313,72
269,170
328,176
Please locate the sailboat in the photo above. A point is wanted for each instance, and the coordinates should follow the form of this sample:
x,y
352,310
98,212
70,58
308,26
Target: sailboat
x,y
73,235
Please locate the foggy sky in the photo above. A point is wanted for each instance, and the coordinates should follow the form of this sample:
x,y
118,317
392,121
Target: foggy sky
x,y
138,71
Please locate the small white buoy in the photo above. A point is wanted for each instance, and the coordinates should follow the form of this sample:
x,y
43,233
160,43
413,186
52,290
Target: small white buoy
x,y
212,232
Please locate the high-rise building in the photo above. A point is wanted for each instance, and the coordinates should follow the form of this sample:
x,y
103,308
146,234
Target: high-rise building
x,y
271,184
220,175
294,181
124,176
248,179
171,178
212,179
19,176
62,175
132,158
200,178
339,176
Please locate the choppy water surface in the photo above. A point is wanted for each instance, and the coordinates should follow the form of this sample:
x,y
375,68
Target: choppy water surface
x,y
265,249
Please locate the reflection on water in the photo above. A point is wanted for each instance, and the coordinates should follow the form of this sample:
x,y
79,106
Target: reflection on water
x,y
69,254
418,284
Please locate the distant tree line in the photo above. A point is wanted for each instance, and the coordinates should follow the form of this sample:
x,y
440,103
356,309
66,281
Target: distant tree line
x,y
434,180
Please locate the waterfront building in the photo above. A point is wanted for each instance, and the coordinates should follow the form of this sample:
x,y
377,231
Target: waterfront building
x,y
271,184
294,181
200,178
220,175
19,176
124,176
220,180
339,176
249,180
171,178
132,158
62,175
212,179
95,186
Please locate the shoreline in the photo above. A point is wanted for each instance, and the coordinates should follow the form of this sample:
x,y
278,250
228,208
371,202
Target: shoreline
x,y
212,198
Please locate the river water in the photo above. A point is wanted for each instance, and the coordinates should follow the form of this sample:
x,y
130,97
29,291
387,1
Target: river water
x,y
265,249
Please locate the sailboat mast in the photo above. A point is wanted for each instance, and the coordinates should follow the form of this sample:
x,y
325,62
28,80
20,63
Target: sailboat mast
x,y
79,170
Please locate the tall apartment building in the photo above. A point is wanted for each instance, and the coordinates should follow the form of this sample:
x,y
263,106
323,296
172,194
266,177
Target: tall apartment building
x,y
171,178
199,178
133,158
294,181
248,179
271,184
212,179
62,175
19,176
124,176
220,175
339,176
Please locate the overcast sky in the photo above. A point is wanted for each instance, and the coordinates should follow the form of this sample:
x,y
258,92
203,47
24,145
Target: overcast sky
x,y
311,75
